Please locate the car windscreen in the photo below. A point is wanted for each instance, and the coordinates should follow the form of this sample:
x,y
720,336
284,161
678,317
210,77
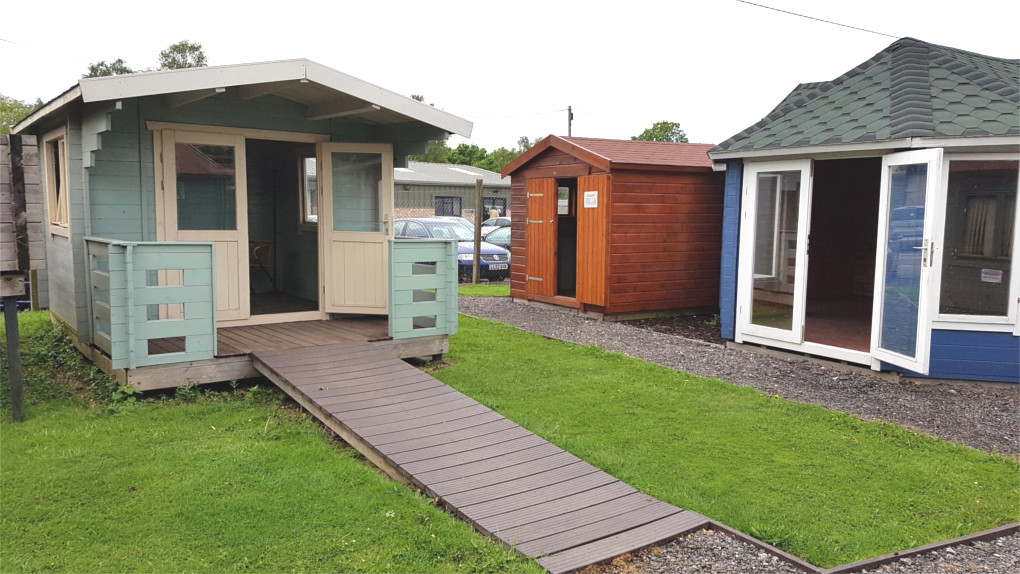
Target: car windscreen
x,y
451,231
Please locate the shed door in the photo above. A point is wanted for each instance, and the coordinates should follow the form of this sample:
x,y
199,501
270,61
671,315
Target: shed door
x,y
901,328
592,238
355,216
205,199
541,236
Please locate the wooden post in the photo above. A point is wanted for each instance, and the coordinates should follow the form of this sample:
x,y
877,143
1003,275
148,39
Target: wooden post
x,y
476,261
14,358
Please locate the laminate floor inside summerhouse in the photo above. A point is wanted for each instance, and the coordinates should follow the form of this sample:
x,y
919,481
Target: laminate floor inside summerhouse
x,y
843,322
233,341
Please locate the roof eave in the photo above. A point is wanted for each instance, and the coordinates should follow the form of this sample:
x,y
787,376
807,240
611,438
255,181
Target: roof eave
x,y
48,108
989,142
561,144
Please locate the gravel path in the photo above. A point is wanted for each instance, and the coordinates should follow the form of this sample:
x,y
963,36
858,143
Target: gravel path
x,y
983,417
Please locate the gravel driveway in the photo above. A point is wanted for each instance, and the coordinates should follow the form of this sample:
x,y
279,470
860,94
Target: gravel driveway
x,y
983,417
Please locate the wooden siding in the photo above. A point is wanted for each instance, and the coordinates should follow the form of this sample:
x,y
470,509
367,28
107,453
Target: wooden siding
x,y
593,240
541,237
972,356
730,245
21,205
666,233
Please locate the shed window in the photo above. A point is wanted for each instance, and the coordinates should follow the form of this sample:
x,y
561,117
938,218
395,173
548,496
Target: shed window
x,y
57,200
309,192
980,218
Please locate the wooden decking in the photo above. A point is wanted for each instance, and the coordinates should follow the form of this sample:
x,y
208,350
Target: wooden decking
x,y
233,341
509,483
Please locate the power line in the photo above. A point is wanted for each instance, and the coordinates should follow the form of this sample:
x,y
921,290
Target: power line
x,y
818,19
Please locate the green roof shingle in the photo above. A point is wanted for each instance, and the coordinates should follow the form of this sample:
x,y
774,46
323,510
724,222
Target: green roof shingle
x,y
910,89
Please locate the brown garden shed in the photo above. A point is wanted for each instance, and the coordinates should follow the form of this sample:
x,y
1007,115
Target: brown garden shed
x,y
618,228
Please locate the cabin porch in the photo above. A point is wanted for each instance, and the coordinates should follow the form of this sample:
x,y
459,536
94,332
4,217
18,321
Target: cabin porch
x,y
153,313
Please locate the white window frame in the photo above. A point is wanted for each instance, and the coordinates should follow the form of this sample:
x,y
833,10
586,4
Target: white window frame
x,y
988,323
58,214
776,198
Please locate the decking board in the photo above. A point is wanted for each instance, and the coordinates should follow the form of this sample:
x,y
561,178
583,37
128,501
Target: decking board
x,y
508,482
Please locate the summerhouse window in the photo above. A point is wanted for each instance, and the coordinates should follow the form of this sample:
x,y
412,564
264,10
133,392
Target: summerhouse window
x,y
57,200
981,204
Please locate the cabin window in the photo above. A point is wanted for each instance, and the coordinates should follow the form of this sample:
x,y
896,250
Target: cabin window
x,y
57,200
309,191
206,187
981,204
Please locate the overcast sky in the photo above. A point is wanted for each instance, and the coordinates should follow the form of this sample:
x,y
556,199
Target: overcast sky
x,y
513,67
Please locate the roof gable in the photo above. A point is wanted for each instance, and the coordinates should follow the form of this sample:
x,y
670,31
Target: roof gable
x,y
609,153
910,89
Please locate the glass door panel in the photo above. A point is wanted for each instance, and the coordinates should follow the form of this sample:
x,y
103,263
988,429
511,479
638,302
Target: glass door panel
x,y
901,334
776,238
357,191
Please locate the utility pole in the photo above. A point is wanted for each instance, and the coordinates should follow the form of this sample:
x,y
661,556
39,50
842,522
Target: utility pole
x,y
570,119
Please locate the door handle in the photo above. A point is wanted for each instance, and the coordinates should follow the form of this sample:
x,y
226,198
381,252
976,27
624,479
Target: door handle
x,y
926,249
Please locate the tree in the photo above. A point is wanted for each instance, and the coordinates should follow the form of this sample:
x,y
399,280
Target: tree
x,y
497,159
114,68
438,152
466,154
13,111
663,132
183,54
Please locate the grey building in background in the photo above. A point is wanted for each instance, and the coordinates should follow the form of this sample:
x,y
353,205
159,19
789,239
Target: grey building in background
x,y
426,189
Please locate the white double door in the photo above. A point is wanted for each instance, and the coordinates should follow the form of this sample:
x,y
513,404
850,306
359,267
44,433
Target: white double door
x,y
774,242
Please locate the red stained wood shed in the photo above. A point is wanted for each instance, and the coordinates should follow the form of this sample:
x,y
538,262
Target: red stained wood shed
x,y
616,227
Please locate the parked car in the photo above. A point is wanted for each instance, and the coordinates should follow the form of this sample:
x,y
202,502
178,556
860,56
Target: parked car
x,y
496,222
497,236
495,263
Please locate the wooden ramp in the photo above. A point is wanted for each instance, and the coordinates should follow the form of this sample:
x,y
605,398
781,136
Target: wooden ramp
x,y
509,483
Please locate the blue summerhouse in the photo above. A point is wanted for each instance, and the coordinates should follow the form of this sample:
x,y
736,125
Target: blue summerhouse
x,y
871,219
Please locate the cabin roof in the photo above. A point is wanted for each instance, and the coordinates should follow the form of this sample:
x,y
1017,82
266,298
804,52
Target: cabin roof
x,y
609,153
911,89
327,93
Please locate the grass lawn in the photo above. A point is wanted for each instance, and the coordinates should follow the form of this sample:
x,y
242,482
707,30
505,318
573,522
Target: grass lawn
x,y
485,290
823,485
202,482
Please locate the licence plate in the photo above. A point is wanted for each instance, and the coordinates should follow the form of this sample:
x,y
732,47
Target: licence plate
x,y
497,266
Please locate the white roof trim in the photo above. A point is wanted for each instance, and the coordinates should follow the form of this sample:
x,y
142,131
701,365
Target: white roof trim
x,y
205,78
905,143
51,106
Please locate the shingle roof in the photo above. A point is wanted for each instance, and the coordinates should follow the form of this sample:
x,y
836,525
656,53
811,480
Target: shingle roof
x,y
910,89
647,153
447,173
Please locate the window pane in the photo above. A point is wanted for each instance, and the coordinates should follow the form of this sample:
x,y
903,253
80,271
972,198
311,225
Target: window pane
x,y
775,249
357,191
977,259
309,190
206,187
902,281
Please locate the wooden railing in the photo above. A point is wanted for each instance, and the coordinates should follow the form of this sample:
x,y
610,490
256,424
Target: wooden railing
x,y
423,287
151,303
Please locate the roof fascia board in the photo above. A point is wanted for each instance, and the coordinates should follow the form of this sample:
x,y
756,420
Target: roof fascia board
x,y
559,143
990,141
389,100
48,108
660,167
527,156
813,150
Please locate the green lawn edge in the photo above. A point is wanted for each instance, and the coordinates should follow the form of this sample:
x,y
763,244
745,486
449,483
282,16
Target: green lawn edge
x,y
484,290
818,483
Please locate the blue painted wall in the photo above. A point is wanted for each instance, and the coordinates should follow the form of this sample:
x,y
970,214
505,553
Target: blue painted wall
x,y
973,356
730,244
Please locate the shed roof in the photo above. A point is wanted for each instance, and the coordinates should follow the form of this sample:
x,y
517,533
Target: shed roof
x,y
447,173
633,154
327,93
911,89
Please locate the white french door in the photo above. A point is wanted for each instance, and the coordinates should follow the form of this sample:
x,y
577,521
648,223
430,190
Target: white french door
x,y
775,220
355,223
901,319
204,198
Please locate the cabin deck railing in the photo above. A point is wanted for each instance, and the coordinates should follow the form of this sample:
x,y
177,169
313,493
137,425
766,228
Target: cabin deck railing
x,y
141,291
423,287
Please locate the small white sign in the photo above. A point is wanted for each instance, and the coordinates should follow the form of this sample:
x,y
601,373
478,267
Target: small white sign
x,y
591,199
991,275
